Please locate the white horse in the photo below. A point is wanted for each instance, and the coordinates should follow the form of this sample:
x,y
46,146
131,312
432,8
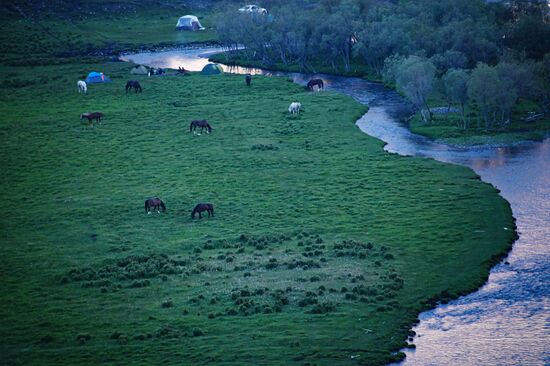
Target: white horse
x,y
82,87
294,108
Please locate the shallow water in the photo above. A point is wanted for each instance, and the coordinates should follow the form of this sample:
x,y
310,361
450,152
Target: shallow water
x,y
507,321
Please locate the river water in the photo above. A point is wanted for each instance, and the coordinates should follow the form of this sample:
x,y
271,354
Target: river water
x,y
507,321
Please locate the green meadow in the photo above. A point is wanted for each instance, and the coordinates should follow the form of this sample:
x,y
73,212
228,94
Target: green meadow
x,y
323,248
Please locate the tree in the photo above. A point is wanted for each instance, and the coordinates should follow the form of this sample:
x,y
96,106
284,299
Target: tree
x,y
415,77
529,35
483,89
456,90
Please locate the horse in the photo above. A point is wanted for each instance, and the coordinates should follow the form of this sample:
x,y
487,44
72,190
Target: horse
x,y
201,207
155,203
82,87
248,79
92,116
314,82
133,84
202,124
294,108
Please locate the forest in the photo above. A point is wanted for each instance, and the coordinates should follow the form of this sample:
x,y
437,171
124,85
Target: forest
x,y
481,58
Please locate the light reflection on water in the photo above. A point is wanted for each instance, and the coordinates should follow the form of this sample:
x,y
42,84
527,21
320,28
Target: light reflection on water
x,y
506,322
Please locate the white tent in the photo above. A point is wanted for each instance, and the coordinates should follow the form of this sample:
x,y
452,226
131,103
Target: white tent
x,y
189,22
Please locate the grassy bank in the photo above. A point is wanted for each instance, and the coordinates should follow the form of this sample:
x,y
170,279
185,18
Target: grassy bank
x,y
445,128
323,250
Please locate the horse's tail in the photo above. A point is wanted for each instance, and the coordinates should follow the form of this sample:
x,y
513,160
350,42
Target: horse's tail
x,y
163,206
146,205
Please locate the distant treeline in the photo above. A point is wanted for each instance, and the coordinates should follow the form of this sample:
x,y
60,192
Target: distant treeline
x,y
479,53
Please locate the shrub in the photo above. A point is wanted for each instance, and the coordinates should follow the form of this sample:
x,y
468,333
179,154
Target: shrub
x,y
167,304
83,337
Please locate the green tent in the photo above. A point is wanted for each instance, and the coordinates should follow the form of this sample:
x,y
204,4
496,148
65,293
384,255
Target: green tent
x,y
139,70
212,69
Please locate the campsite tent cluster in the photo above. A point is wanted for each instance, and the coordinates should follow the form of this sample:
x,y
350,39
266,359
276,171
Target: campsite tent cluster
x,y
95,77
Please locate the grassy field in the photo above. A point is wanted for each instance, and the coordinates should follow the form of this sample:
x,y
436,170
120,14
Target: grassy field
x,y
323,250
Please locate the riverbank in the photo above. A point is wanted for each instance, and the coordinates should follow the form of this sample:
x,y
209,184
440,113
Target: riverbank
x,y
288,271
235,58
444,128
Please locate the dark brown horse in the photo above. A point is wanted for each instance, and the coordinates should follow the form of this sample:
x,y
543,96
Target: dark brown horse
x,y
314,82
154,203
133,84
92,116
202,124
248,79
201,207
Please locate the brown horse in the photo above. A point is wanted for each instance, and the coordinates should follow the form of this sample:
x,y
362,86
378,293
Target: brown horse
x,y
314,82
155,203
201,207
248,79
202,124
133,84
92,116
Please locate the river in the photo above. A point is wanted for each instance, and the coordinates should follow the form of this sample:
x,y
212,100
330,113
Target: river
x,y
507,321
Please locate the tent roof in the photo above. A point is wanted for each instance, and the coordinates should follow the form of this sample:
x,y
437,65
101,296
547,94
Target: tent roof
x,y
97,77
190,17
139,70
212,69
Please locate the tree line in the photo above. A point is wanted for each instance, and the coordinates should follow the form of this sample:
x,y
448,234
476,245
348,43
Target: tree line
x,y
475,53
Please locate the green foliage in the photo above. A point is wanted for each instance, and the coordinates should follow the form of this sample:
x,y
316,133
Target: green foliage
x,y
494,96
456,90
415,77
529,36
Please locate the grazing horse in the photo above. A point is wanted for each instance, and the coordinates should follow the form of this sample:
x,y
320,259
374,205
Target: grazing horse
x,y
92,116
314,82
82,87
133,84
201,207
202,124
294,108
248,79
155,203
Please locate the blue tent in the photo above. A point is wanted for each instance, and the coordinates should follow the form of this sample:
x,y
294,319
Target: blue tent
x,y
97,77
